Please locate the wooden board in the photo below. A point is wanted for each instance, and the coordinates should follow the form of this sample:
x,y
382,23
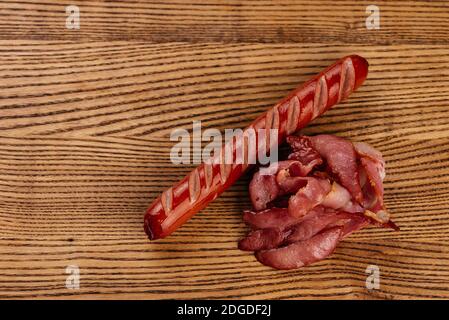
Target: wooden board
x,y
85,119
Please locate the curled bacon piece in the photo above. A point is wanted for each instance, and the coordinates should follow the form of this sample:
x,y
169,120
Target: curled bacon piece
x,y
333,188
302,253
374,167
264,187
304,153
341,158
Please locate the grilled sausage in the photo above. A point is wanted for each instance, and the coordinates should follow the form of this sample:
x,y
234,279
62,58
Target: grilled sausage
x,y
193,193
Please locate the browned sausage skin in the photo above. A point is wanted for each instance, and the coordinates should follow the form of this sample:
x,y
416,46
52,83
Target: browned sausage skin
x,y
193,193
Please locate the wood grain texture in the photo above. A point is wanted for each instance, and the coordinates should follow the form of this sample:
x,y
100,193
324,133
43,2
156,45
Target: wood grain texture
x,y
85,119
229,21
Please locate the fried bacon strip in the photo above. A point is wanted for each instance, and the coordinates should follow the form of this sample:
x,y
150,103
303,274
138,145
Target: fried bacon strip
x,y
302,253
334,188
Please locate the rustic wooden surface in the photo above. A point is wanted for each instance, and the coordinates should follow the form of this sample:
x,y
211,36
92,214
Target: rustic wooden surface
x,y
85,117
